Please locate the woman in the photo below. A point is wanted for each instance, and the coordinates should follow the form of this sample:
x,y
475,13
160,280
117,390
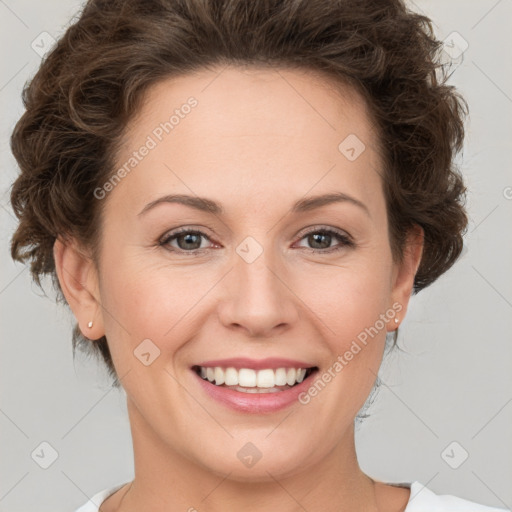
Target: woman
x,y
304,150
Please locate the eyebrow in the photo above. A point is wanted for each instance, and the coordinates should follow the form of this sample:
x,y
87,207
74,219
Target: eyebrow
x,y
210,206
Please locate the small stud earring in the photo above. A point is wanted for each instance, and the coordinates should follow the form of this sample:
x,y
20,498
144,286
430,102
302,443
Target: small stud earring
x,y
396,320
89,324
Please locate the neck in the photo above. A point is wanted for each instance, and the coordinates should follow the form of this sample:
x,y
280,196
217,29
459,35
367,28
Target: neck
x,y
166,480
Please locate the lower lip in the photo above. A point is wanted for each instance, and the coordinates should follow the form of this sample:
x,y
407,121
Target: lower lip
x,y
258,403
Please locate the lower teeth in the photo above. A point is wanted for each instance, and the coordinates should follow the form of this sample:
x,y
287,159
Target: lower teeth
x,y
257,390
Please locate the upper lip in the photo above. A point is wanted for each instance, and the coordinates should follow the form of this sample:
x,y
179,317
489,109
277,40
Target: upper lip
x,y
256,364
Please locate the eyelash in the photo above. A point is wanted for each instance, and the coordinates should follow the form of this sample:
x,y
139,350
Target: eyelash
x,y
345,240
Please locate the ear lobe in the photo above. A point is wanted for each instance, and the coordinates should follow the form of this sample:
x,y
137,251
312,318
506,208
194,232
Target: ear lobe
x,y
405,272
79,283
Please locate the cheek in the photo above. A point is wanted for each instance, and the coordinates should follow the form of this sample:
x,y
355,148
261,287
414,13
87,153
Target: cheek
x,y
347,299
352,306
144,298
149,302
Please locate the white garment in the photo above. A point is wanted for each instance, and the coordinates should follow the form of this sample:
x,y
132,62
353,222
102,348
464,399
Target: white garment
x,y
421,499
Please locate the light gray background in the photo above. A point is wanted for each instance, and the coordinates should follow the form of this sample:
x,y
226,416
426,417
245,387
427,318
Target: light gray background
x,y
453,382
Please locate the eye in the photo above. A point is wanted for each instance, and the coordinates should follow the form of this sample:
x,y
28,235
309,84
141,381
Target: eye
x,y
321,238
187,240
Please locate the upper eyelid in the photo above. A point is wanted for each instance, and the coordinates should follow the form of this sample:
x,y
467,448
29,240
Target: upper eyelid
x,y
320,227
306,231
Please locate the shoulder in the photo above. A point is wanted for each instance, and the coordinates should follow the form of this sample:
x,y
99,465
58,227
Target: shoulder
x,y
96,501
423,499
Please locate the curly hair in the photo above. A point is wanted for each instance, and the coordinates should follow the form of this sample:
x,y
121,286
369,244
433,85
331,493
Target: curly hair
x,y
93,82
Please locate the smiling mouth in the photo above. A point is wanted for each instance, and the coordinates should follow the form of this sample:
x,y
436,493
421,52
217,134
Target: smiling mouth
x,y
248,380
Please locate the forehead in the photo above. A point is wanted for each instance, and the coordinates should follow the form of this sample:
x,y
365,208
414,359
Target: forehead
x,y
274,102
266,129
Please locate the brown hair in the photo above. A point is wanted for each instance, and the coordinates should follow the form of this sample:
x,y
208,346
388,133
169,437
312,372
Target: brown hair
x,y
92,83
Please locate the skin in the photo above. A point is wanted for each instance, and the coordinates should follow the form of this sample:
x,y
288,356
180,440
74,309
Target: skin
x,y
257,141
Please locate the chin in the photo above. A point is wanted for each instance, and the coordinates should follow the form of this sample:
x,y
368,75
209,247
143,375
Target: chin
x,y
261,460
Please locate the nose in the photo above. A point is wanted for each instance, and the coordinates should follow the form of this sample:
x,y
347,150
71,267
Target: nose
x,y
259,301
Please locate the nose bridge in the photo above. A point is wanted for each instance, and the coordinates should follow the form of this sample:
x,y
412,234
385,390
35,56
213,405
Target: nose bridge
x,y
253,269
260,300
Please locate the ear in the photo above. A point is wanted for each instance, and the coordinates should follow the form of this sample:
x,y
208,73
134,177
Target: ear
x,y
404,272
78,280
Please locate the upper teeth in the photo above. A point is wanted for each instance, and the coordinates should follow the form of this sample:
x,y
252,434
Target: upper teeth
x,y
250,378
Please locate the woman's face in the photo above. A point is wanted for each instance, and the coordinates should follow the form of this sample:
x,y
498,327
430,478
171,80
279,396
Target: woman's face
x,y
266,280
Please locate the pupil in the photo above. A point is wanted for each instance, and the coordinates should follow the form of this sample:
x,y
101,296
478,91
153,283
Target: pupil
x,y
189,238
317,239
